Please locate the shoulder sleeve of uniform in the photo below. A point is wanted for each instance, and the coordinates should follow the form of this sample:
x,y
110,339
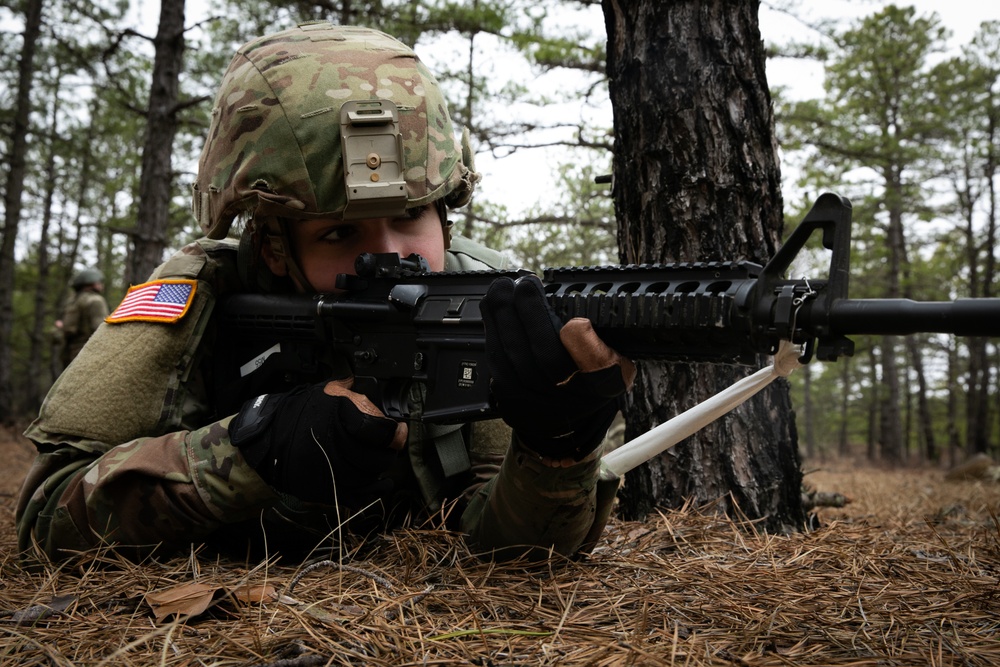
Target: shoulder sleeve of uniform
x,y
467,255
197,258
127,382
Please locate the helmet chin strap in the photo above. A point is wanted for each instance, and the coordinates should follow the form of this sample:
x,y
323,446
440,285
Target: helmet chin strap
x,y
281,246
446,224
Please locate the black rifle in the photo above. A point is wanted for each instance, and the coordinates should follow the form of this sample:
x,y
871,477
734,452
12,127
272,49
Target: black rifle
x,y
398,324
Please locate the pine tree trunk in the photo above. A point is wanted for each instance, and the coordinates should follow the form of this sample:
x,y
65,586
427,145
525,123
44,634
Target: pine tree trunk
x,y
36,382
925,420
696,177
981,267
874,405
891,422
13,189
977,412
954,442
149,238
892,418
807,412
843,448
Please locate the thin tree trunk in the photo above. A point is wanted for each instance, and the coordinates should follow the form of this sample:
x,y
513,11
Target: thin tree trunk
x,y
990,260
807,411
36,385
13,190
874,405
924,417
954,443
891,420
149,238
976,410
84,178
979,257
843,449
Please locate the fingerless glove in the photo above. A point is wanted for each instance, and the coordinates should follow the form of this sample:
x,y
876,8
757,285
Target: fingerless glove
x,y
316,447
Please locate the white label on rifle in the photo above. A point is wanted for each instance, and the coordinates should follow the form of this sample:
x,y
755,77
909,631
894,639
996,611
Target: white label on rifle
x,y
258,361
468,374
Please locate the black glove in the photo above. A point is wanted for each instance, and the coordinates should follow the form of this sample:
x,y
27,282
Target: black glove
x,y
319,443
558,386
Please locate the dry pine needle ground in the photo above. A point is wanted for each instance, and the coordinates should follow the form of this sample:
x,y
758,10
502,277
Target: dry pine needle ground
x,y
906,574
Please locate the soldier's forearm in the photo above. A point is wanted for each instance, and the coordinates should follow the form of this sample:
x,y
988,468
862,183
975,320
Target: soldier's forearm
x,y
171,489
531,507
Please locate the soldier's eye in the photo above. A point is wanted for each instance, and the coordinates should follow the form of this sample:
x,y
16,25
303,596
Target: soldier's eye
x,y
414,213
340,233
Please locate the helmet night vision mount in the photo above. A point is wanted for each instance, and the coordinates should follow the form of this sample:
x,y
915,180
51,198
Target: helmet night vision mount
x,y
373,159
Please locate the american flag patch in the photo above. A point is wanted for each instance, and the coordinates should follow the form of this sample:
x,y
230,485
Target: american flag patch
x,y
157,301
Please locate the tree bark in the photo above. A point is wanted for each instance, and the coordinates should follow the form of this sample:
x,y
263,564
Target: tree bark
x,y
890,413
36,382
696,177
149,238
977,384
807,412
843,447
976,406
954,439
925,420
892,418
874,406
13,191
989,259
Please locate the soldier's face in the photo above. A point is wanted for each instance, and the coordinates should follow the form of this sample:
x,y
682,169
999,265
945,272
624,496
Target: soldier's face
x,y
325,248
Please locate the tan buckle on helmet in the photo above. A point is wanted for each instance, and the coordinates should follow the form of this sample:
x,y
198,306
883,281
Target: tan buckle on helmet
x,y
373,159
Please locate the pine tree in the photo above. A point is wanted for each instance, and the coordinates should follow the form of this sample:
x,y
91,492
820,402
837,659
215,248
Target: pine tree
x,y
697,178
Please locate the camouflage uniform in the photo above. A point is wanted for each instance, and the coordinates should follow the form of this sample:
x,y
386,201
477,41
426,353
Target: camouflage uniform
x,y
84,313
133,450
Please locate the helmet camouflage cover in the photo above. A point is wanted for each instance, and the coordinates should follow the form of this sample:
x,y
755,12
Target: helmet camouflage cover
x,y
87,277
274,146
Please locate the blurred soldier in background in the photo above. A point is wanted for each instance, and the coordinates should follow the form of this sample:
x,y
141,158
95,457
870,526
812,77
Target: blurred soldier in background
x,y
84,311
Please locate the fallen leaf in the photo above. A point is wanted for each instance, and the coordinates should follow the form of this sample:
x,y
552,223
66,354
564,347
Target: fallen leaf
x,y
636,533
256,594
189,599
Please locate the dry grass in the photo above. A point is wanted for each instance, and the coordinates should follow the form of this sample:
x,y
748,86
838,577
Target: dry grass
x,y
907,574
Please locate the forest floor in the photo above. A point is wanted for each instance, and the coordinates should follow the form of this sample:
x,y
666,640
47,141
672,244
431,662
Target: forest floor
x,y
907,573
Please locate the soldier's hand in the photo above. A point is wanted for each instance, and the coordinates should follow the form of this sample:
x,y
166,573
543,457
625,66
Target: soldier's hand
x,y
558,386
321,443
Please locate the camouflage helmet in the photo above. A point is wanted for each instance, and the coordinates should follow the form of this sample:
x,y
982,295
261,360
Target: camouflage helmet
x,y
87,277
276,144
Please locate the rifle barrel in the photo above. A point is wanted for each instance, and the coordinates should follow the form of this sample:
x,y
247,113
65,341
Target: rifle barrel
x,y
962,317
